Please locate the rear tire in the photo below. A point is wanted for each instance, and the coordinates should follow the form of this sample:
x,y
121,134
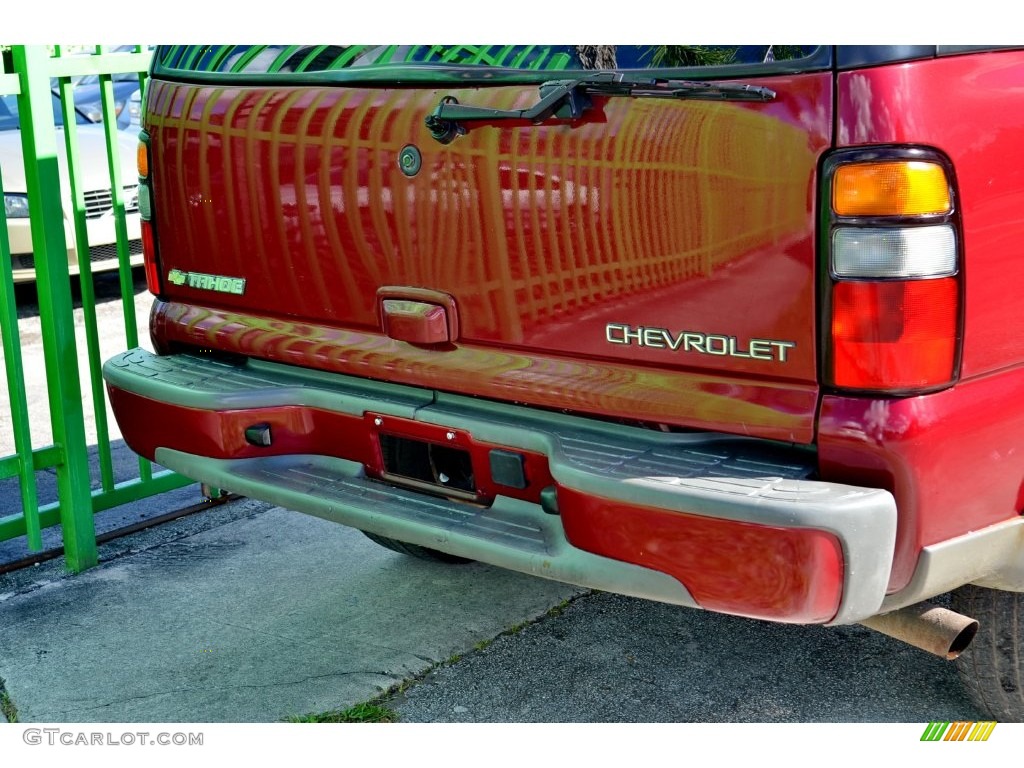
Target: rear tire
x,y
992,667
415,550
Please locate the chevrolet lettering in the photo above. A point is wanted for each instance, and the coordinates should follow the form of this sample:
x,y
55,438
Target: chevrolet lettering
x,y
699,343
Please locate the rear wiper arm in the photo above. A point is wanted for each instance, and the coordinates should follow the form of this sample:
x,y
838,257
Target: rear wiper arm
x,y
620,84
564,97
567,99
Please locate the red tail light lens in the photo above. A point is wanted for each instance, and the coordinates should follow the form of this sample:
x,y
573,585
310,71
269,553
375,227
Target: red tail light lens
x,y
149,259
894,335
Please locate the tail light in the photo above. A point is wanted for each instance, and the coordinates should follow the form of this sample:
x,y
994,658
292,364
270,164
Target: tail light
x,y
151,257
894,283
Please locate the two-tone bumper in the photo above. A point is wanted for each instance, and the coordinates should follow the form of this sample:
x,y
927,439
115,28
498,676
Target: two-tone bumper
x,y
728,524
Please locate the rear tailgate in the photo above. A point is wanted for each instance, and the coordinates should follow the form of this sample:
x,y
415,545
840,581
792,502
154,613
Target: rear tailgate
x,y
652,260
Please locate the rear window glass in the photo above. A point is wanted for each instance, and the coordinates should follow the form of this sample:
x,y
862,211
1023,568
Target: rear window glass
x,y
309,59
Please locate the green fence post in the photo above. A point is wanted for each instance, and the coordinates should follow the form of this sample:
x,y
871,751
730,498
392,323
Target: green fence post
x,y
13,363
35,107
85,284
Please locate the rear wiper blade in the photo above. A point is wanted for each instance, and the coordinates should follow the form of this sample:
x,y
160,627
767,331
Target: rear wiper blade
x,y
621,84
567,99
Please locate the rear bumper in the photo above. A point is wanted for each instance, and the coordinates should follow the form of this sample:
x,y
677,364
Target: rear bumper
x,y
731,525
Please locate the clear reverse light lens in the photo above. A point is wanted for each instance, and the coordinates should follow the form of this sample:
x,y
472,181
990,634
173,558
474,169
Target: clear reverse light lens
x,y
16,206
145,206
906,252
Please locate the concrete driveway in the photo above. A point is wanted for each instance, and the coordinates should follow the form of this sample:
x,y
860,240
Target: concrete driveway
x,y
253,616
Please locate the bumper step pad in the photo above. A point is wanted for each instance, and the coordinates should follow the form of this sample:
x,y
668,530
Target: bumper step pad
x,y
305,476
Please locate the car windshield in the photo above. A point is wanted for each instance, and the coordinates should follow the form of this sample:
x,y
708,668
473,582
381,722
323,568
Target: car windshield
x,y
9,120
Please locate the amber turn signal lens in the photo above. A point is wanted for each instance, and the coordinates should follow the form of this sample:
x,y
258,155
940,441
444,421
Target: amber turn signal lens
x,y
896,188
142,160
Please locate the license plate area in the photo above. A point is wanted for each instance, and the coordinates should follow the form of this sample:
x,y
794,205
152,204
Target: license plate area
x,y
425,457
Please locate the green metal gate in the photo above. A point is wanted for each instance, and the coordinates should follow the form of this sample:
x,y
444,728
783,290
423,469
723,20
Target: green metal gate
x,y
30,79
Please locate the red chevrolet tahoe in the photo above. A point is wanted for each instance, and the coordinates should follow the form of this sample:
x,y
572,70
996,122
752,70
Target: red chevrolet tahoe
x,y
734,328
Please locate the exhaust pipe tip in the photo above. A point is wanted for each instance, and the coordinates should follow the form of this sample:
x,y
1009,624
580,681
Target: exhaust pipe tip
x,y
931,628
962,640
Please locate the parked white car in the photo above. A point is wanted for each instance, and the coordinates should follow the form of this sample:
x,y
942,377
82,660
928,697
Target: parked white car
x,y
134,110
94,180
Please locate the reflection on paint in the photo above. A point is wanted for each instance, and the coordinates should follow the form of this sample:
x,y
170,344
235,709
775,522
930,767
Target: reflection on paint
x,y
649,212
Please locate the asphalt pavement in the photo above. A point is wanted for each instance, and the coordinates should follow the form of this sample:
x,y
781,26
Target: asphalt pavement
x,y
612,659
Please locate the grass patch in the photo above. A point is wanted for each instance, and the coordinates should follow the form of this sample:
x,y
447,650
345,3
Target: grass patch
x,y
374,711
6,705
367,712
559,609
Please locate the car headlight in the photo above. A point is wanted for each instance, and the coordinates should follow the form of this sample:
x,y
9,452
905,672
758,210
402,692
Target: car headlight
x,y
16,206
131,199
92,111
